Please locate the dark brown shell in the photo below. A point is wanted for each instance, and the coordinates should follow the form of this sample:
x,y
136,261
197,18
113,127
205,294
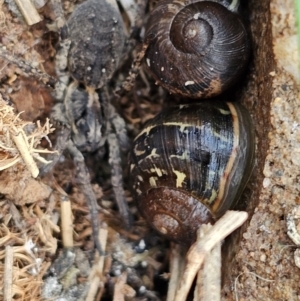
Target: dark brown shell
x,y
190,164
197,49
97,40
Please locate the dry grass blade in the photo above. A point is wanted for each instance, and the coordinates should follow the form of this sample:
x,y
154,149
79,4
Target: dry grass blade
x,y
67,223
96,275
208,286
8,273
199,250
21,275
28,11
19,140
177,265
118,291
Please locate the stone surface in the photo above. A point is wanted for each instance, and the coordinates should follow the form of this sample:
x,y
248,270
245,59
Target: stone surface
x,y
263,267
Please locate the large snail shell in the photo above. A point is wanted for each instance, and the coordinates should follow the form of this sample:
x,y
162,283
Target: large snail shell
x,y
196,49
96,31
190,164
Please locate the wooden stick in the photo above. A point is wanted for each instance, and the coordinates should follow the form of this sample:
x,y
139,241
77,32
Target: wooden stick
x,y
177,265
28,11
118,290
8,273
96,275
24,151
66,222
208,285
229,222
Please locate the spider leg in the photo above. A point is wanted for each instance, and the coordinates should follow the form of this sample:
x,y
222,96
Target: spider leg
x,y
64,134
61,66
61,57
116,176
116,138
68,102
119,127
28,68
58,11
84,184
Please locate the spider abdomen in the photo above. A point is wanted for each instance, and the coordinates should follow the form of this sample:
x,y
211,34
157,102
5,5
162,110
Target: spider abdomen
x,y
97,39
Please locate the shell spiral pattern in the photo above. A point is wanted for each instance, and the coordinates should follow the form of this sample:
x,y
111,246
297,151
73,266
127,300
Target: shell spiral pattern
x,y
190,164
196,49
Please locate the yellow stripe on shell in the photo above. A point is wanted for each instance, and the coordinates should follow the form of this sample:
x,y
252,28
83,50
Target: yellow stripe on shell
x,y
180,176
157,170
152,181
232,158
221,137
183,156
212,196
224,112
138,152
181,126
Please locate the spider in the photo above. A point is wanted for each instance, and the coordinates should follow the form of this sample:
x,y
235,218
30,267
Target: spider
x,y
92,43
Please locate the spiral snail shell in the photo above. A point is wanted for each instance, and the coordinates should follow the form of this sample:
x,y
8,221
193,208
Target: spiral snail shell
x,y
196,49
190,164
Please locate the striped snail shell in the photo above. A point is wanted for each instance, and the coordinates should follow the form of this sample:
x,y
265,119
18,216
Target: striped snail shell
x,y
196,49
190,164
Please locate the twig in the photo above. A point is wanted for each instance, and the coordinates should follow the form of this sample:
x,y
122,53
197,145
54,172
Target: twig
x,y
198,251
27,68
16,142
24,151
96,276
28,11
8,273
209,277
177,264
118,290
66,223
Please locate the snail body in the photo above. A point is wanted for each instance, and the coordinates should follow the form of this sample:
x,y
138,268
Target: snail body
x,y
190,164
196,49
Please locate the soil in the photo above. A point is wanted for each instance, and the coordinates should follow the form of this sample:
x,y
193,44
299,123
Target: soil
x,y
257,260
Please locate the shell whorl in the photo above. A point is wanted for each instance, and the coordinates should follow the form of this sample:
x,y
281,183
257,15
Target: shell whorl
x,y
196,49
190,164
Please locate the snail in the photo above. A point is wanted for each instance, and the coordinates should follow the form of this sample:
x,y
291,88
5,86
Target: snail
x,y
190,164
196,49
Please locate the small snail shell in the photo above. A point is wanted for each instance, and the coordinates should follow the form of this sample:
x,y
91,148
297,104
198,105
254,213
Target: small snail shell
x,y
196,49
190,164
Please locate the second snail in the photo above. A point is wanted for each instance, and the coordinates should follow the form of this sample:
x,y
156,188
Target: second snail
x,y
196,49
